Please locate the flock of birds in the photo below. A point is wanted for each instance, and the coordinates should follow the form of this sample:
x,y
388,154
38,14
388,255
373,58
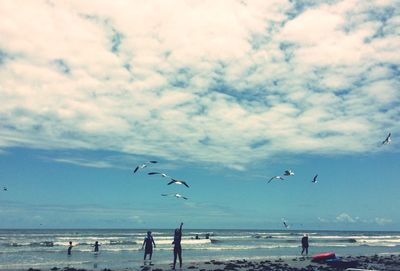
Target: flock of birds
x,y
164,175
180,182
286,173
314,180
290,173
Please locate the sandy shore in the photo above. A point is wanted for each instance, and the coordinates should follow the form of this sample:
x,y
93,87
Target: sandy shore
x,y
383,262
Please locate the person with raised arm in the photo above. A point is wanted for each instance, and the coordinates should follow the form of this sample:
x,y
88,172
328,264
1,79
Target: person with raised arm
x,y
177,246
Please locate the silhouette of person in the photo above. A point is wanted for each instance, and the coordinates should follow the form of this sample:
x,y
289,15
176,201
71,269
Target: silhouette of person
x,y
304,244
70,247
177,246
148,241
197,237
96,246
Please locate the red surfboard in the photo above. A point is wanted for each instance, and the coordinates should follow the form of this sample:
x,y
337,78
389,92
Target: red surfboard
x,y
323,256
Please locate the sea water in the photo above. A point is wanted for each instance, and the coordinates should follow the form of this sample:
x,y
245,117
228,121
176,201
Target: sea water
x,y
120,249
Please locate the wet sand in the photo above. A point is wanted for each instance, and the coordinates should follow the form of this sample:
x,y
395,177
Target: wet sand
x,y
382,262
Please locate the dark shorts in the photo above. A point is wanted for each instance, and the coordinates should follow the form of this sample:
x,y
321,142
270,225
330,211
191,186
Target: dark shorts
x,y
177,249
148,250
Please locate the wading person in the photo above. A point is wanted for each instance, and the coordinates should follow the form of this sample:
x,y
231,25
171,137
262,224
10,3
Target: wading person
x,y
70,248
96,246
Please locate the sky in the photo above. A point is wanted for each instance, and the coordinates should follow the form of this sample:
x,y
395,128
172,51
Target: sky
x,y
222,94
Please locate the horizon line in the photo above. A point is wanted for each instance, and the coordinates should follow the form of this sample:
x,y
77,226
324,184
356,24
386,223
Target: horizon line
x,y
192,229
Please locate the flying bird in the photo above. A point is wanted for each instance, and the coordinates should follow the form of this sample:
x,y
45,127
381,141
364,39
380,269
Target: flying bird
x,y
175,195
144,165
178,182
387,140
288,173
160,173
284,223
275,177
315,179
173,181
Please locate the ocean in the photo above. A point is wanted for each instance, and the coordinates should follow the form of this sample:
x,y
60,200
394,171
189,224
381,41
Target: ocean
x,y
22,249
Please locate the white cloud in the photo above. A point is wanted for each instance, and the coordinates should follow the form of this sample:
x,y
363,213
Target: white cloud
x,y
137,219
346,218
202,81
323,220
118,216
84,162
319,23
382,221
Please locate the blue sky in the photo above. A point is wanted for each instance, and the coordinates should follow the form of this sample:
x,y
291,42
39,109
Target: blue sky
x,y
223,94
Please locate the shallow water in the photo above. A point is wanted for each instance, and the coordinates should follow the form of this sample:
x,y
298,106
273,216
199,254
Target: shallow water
x,y
120,248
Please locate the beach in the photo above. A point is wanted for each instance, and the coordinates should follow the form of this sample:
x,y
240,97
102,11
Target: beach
x,y
225,249
374,262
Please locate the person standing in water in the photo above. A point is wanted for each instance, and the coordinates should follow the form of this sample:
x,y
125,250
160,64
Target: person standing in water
x,y
304,244
96,246
149,242
177,246
70,248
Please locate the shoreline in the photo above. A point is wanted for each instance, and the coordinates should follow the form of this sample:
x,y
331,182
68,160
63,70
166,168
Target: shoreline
x,y
389,262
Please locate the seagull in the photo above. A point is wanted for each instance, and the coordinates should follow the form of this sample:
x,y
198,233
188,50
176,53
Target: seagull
x,y
178,182
276,177
176,195
160,173
315,179
173,181
288,173
284,223
387,140
144,165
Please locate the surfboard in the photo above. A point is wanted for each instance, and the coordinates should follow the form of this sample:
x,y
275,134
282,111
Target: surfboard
x,y
323,256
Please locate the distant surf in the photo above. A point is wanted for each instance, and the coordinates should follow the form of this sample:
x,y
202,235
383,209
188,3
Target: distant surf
x,y
121,248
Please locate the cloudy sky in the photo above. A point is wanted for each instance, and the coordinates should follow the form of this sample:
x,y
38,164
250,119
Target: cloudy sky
x,y
223,94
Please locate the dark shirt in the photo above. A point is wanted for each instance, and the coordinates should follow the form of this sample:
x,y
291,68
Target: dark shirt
x,y
177,239
304,241
148,241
